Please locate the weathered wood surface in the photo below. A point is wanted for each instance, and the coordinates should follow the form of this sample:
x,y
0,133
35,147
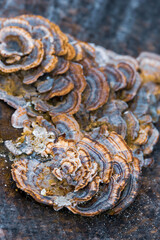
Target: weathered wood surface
x,y
127,26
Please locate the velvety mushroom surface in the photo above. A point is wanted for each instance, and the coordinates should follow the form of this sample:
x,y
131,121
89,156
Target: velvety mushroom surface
x,y
48,66
87,115
64,171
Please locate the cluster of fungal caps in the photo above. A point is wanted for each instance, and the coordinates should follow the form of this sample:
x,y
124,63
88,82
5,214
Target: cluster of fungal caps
x,y
87,115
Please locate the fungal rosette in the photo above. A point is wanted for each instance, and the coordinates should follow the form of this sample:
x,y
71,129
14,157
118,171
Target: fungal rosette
x,y
34,44
37,53
68,172
87,115
23,46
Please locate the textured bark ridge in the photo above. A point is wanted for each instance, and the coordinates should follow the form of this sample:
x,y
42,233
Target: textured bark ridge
x,y
87,115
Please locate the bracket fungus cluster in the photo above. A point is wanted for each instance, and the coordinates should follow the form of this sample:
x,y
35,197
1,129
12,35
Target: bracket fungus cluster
x,y
99,172
87,115
48,66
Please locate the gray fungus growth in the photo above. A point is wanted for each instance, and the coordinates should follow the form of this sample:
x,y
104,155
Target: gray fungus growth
x,y
87,115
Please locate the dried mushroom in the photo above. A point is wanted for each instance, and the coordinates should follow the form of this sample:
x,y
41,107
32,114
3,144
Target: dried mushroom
x,y
87,115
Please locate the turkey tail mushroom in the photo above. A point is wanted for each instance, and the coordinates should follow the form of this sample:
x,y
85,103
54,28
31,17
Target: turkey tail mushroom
x,y
149,66
68,172
87,115
97,89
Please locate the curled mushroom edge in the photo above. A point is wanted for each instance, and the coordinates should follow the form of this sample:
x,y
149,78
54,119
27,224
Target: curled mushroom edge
x,y
87,115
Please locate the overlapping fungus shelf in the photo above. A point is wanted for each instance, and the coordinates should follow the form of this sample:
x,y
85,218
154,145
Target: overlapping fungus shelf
x,y
87,115
80,169
43,65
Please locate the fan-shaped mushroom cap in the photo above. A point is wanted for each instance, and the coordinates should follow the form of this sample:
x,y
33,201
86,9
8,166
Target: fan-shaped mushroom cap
x,y
115,78
20,37
128,95
123,79
98,89
12,101
67,125
71,87
146,101
112,116
130,191
149,65
18,117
